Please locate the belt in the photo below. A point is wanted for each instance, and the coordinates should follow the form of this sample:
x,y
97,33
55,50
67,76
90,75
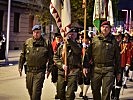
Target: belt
x,y
34,69
104,65
73,66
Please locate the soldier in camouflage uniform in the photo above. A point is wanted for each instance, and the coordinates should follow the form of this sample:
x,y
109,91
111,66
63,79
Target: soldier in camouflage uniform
x,y
36,52
73,64
106,61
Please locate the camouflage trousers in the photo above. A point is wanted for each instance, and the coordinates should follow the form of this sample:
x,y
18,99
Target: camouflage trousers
x,y
66,89
102,77
34,84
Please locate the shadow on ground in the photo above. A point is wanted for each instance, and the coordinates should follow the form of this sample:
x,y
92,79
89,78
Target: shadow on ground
x,y
9,63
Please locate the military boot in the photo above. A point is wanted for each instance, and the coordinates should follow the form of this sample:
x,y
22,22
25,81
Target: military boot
x,y
113,93
117,93
85,98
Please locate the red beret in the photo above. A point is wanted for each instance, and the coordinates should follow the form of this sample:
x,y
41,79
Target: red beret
x,y
105,23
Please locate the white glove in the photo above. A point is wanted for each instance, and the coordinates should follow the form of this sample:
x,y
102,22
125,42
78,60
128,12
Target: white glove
x,y
126,68
84,45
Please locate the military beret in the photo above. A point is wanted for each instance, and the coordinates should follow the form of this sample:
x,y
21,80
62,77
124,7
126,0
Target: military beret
x,y
106,23
57,35
73,30
36,27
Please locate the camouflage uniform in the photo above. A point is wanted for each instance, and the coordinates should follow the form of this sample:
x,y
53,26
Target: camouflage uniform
x,y
74,62
106,61
35,54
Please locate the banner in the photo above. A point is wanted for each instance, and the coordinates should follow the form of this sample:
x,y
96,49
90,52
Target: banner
x,y
61,11
110,13
99,13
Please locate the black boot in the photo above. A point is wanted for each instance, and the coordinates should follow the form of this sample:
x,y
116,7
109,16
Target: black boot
x,y
85,98
81,94
117,93
113,93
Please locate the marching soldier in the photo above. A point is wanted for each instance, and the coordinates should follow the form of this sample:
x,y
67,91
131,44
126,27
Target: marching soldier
x,y
54,72
36,52
84,81
72,68
106,60
118,83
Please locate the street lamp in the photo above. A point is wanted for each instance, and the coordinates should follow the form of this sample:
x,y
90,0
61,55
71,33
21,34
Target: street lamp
x,y
8,30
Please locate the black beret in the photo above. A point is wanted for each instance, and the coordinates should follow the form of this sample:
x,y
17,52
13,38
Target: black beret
x,y
73,30
36,27
57,35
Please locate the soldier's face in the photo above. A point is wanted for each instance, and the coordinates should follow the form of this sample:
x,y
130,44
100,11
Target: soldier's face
x,y
105,30
36,34
58,39
72,35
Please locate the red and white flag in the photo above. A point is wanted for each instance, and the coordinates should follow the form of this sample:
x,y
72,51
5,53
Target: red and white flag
x,y
61,11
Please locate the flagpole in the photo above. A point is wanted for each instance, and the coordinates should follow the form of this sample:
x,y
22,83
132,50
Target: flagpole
x,y
61,11
84,6
8,30
65,50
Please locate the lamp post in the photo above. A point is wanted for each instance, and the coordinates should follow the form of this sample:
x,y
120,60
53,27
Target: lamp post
x,y
127,19
8,30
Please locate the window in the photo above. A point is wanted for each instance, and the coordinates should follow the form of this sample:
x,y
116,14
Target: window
x,y
31,19
1,20
16,22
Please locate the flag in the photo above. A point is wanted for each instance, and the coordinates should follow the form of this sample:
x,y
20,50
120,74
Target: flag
x,y
99,13
110,13
61,11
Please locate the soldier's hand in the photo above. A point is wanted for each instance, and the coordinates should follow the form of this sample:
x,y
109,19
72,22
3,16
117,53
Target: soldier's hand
x,y
85,71
20,72
64,67
48,73
126,68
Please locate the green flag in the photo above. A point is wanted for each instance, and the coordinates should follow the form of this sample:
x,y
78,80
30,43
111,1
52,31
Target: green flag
x,y
99,13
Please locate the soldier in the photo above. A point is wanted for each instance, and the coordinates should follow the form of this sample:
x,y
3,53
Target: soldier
x,y
84,81
36,52
106,60
54,73
72,68
118,83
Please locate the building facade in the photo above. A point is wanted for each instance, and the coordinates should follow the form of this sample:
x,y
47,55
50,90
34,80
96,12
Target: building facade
x,y
21,22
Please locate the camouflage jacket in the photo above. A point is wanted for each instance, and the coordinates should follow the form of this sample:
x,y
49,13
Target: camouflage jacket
x,y
73,56
36,53
104,51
